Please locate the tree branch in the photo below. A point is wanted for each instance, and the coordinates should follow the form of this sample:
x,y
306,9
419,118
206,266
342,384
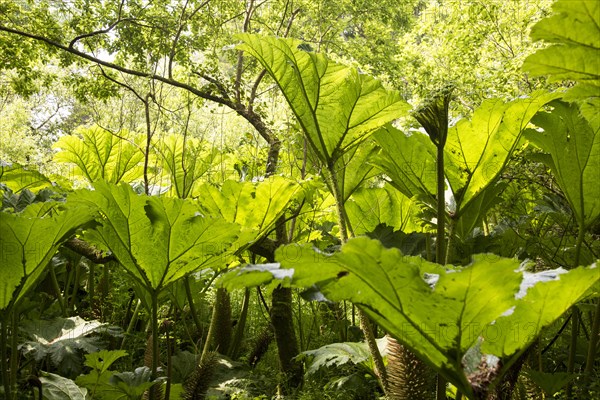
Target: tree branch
x,y
87,250
101,31
178,33
85,56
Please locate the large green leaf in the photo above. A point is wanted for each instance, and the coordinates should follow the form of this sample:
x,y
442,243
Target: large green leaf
x,y
337,106
574,30
439,325
56,387
353,168
17,178
477,150
551,383
29,240
337,354
62,341
544,303
371,207
102,360
185,160
408,160
102,155
254,206
112,385
574,157
440,314
474,211
157,239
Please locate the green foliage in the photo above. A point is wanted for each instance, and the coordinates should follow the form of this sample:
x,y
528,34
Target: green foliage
x,y
354,168
157,240
29,240
478,149
336,106
56,387
17,202
63,340
574,31
102,360
409,160
476,152
103,383
551,383
102,155
548,295
451,317
439,314
183,364
337,354
572,150
253,206
370,207
477,47
17,178
186,161
131,385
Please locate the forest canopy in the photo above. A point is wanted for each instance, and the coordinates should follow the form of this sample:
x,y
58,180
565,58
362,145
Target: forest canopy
x,y
299,199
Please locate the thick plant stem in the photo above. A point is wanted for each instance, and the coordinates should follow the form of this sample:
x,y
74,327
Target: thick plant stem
x,y
155,349
408,377
449,244
240,327
14,343
169,365
378,365
222,321
132,322
433,116
575,319
218,337
209,337
57,291
441,208
148,142
364,321
75,289
573,348
3,356
91,284
190,299
593,345
440,255
339,202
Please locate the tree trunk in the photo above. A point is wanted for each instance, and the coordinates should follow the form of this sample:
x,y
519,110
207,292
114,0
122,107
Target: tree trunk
x,y
285,336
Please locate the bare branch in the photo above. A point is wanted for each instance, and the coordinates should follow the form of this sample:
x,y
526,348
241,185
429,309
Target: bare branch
x,y
122,84
292,17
